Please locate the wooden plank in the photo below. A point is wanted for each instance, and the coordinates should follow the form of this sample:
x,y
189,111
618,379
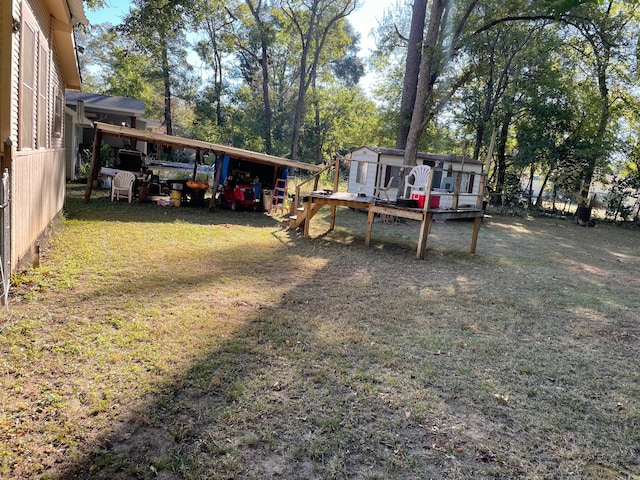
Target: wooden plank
x,y
307,216
332,223
457,214
456,190
371,215
398,212
425,227
427,193
474,235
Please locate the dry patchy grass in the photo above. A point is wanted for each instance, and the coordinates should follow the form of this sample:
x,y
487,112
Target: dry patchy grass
x,y
175,343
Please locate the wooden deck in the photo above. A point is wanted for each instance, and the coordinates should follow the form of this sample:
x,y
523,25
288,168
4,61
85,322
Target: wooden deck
x,y
314,202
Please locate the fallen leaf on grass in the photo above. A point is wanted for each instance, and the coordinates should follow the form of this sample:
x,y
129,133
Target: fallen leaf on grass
x,y
486,457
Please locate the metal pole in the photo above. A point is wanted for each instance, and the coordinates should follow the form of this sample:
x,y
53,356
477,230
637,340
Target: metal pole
x,y
5,272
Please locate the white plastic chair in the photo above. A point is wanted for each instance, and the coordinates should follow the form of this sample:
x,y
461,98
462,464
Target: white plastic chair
x,y
122,184
420,175
384,190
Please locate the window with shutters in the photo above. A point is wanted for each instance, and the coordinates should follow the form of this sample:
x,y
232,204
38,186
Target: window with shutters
x,y
27,87
43,97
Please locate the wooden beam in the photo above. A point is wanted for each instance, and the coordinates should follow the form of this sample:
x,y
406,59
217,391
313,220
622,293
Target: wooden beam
x,y
425,227
427,193
370,217
456,190
307,215
474,236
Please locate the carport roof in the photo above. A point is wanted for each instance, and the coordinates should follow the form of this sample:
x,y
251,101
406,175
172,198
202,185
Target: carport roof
x,y
175,141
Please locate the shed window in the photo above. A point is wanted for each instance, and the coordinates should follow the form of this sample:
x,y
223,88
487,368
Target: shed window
x,y
361,174
469,181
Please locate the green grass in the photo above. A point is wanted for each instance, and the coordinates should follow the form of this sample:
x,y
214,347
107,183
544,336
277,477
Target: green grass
x,y
180,343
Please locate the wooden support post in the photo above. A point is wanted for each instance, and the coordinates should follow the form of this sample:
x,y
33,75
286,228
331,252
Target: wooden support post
x,y
336,175
332,223
427,193
425,227
370,218
456,190
474,236
307,216
95,165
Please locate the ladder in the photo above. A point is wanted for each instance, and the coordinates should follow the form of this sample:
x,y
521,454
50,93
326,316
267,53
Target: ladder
x,y
279,194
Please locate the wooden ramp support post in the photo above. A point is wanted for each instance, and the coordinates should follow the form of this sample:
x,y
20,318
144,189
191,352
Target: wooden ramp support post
x,y
474,236
425,227
307,216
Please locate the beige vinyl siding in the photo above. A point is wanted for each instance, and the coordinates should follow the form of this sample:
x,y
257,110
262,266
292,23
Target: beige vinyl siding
x,y
37,186
37,174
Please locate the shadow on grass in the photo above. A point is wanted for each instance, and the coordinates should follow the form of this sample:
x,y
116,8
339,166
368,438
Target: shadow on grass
x,y
293,392
326,360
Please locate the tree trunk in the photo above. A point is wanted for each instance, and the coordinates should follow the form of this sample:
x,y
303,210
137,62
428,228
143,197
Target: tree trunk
x,y
264,67
167,89
542,187
412,69
318,133
425,87
501,159
313,42
302,90
268,113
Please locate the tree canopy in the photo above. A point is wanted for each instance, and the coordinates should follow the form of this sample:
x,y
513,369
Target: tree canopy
x,y
555,79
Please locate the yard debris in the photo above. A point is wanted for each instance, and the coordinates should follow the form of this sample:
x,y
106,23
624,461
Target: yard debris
x,y
486,457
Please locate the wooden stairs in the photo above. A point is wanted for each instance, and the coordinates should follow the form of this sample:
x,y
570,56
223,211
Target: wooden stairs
x,y
298,213
297,220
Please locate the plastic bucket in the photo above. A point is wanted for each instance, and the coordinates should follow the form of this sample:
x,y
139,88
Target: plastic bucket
x,y
176,197
267,200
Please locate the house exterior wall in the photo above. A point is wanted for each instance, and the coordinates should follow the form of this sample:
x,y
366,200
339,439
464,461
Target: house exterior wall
x,y
32,118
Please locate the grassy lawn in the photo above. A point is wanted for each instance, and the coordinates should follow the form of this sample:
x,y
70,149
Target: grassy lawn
x,y
176,343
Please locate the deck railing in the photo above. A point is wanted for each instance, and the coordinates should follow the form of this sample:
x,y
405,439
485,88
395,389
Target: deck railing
x,y
316,180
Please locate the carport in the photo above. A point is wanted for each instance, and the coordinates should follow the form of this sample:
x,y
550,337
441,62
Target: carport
x,y
270,168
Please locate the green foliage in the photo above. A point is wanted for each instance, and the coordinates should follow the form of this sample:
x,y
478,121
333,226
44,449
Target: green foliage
x,y
562,85
560,7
